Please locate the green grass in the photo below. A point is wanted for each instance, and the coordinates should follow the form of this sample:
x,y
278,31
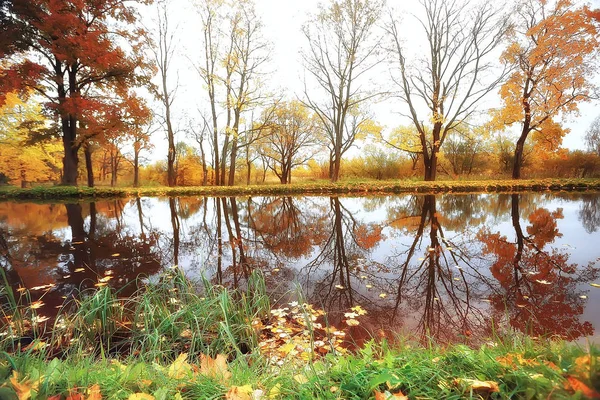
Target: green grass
x,y
128,346
312,188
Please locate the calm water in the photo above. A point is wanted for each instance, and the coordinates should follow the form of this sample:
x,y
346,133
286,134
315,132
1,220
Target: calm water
x,y
455,267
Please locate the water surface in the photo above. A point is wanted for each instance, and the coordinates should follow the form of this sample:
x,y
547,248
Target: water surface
x,y
453,267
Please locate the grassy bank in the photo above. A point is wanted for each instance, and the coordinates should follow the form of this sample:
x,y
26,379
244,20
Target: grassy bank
x,y
173,340
315,188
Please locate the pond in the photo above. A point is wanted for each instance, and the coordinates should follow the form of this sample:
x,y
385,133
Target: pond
x,y
451,267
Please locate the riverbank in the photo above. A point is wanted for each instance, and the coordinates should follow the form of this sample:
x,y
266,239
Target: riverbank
x,y
315,188
177,340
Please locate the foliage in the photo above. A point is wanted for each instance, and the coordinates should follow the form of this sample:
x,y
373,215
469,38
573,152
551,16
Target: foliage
x,y
552,52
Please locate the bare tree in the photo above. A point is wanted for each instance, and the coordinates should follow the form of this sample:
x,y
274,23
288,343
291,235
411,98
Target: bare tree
x,y
234,54
164,51
342,48
444,85
592,136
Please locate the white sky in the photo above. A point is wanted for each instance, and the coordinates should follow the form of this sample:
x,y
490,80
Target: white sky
x,y
282,21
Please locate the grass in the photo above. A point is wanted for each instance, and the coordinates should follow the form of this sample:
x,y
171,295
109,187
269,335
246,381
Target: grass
x,y
312,188
138,345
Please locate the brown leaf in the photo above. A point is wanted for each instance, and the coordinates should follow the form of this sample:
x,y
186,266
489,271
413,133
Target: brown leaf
x,y
389,396
576,385
24,388
214,367
476,385
93,393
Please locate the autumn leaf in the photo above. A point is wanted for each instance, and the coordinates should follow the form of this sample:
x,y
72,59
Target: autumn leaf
x,y
576,385
140,396
239,393
24,388
180,368
477,385
93,393
389,396
214,367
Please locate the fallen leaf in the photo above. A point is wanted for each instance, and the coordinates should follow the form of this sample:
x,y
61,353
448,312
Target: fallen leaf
x,y
214,367
576,385
477,385
24,388
239,393
140,396
383,295
340,287
115,254
596,285
93,393
389,396
180,368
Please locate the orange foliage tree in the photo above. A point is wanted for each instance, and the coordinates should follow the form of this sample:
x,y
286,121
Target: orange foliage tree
x,y
70,55
552,51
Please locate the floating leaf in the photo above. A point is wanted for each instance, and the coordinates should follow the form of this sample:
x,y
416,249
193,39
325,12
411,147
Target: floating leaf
x,y
543,282
79,270
115,255
596,285
382,295
340,287
352,322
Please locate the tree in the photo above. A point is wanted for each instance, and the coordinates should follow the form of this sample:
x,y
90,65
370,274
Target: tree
x,y
342,49
67,47
592,136
292,132
453,76
234,53
164,51
22,158
552,51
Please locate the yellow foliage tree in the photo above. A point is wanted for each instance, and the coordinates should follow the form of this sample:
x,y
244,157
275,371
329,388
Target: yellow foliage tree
x,y
20,160
552,53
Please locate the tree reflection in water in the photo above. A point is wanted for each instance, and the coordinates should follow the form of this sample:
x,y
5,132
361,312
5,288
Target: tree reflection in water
x,y
450,267
537,290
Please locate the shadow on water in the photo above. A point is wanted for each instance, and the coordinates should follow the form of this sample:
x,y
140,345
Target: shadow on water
x,y
453,267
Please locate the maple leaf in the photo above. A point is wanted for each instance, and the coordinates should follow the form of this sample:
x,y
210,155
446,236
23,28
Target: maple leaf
x,y
214,367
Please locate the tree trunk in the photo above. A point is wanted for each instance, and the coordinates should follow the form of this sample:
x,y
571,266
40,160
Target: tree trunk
x,y
232,159
518,161
430,164
89,167
136,168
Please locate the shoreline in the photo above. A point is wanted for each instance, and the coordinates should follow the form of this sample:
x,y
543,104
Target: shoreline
x,y
321,188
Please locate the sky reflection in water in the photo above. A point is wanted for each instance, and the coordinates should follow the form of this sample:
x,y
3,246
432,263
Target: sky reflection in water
x,y
455,267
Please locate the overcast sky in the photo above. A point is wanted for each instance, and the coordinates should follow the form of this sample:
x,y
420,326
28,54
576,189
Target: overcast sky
x,y
282,21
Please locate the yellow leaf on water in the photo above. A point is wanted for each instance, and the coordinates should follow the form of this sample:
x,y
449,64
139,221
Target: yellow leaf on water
x,y
140,396
115,255
596,285
383,295
352,322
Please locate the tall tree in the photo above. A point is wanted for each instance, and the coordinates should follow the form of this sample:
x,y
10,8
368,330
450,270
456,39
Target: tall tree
x,y
442,86
65,48
292,132
342,49
234,54
164,52
592,136
552,52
